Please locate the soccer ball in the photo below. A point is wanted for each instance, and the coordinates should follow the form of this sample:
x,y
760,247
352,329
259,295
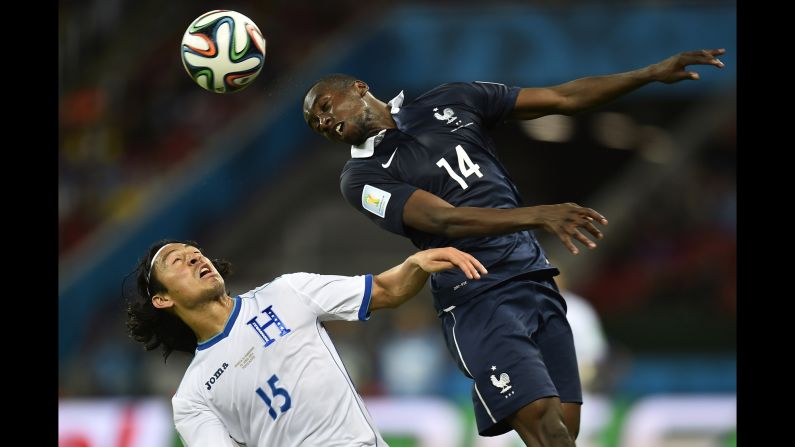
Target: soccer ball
x,y
223,51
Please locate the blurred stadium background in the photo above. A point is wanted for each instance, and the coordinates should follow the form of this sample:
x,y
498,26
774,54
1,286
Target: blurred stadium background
x,y
145,154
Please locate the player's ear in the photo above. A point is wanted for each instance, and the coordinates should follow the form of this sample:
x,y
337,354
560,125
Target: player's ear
x,y
361,87
162,301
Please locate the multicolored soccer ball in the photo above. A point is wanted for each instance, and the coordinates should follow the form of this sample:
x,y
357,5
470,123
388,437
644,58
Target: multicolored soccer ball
x,y
223,51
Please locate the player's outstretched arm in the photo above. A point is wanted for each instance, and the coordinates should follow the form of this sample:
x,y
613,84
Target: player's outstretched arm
x,y
430,213
582,94
401,283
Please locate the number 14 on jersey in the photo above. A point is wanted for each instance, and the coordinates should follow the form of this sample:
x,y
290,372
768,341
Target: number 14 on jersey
x,y
465,165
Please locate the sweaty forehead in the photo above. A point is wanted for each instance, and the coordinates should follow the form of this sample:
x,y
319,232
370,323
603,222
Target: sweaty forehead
x,y
310,100
319,89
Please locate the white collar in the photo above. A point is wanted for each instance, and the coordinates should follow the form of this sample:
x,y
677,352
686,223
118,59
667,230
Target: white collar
x,y
367,148
396,102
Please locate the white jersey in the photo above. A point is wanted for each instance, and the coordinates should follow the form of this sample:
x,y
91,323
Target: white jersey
x,y
273,377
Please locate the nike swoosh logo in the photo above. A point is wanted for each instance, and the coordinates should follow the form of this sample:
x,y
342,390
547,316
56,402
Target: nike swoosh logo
x,y
389,162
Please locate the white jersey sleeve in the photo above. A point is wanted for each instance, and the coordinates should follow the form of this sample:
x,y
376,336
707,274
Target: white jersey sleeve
x,y
198,426
334,297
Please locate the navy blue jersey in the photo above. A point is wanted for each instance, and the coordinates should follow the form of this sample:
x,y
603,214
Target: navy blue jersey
x,y
440,145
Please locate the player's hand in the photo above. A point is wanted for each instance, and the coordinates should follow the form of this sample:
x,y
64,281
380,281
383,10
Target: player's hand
x,y
674,69
566,219
438,259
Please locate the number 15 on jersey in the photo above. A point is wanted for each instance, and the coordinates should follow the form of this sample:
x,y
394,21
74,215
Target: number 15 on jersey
x,y
275,391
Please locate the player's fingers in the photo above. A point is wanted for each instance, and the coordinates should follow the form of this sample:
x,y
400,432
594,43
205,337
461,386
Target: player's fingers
x,y
703,57
696,53
699,58
474,261
713,52
457,259
471,261
585,241
567,242
593,230
471,271
708,57
465,267
468,270
593,215
479,268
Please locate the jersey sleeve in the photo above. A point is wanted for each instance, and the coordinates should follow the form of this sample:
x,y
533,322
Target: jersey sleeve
x,y
198,426
378,196
334,297
492,101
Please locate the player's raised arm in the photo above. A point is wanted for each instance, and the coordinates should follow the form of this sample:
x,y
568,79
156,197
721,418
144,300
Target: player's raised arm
x,y
401,283
429,213
581,94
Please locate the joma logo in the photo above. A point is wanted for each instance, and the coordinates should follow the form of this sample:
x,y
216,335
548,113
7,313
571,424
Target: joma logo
x,y
216,376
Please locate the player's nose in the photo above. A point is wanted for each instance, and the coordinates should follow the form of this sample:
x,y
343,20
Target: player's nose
x,y
325,122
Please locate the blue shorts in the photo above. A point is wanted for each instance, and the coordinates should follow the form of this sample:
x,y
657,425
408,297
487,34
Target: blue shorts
x,y
515,342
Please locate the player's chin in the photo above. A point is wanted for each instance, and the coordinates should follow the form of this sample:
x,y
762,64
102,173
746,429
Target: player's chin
x,y
354,137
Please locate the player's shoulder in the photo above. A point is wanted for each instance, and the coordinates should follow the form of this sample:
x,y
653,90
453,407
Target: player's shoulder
x,y
359,170
284,285
279,283
253,292
190,386
466,94
310,283
358,164
445,90
291,278
298,280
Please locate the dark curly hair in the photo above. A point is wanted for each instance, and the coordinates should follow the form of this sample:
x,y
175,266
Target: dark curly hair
x,y
157,327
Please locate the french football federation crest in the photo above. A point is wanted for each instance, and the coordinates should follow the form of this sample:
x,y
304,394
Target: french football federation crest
x,y
502,382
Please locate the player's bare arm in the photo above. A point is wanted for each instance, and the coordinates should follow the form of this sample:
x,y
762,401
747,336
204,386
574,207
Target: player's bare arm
x,y
401,283
429,213
582,94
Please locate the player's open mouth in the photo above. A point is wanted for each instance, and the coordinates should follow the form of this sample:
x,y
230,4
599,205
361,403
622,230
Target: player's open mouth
x,y
204,271
339,128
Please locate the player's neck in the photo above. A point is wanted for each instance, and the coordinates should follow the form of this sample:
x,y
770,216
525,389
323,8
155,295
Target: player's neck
x,y
383,116
209,319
